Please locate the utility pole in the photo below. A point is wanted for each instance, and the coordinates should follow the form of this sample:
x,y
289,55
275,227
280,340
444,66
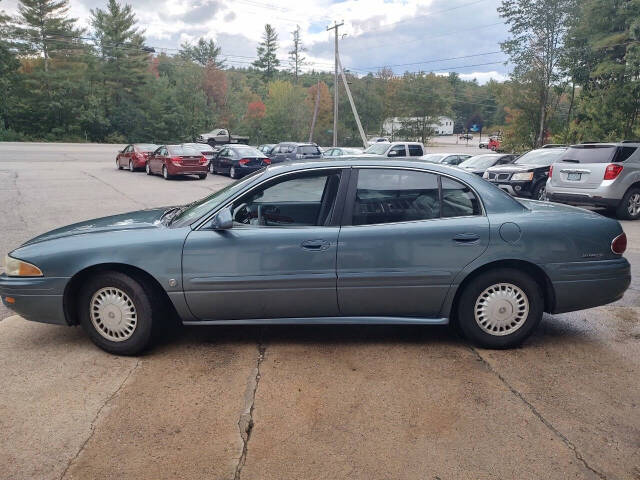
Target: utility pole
x,y
353,105
315,112
335,83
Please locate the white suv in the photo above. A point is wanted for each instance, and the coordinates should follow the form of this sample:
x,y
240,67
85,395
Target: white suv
x,y
394,150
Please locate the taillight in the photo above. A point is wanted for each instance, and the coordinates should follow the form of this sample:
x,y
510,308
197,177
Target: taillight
x,y
176,160
266,161
612,171
243,161
550,171
203,160
619,244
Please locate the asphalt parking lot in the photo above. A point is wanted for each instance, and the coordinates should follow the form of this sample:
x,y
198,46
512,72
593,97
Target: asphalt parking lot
x,y
320,402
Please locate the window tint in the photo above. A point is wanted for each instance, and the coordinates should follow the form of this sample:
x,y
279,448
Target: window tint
x,y
128,149
415,151
300,200
401,152
624,153
589,154
457,199
386,196
309,150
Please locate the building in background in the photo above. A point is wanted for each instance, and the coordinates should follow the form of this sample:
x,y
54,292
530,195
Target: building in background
x,y
415,128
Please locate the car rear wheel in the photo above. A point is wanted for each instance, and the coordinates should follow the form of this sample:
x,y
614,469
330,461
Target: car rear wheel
x,y
232,172
131,168
116,312
202,176
165,173
500,308
629,207
147,168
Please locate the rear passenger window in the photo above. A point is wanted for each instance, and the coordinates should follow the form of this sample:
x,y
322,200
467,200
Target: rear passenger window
x,y
415,151
309,150
624,153
457,199
387,196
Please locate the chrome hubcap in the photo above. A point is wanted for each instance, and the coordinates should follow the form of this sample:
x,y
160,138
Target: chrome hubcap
x,y
501,309
232,172
113,314
164,172
634,204
543,193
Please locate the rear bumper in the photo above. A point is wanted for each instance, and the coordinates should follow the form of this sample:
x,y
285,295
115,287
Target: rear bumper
x,y
187,169
581,285
578,199
38,299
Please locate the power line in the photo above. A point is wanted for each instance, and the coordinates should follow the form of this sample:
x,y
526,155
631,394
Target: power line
x,y
422,62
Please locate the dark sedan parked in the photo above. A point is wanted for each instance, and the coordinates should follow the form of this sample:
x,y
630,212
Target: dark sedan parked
x,y
134,156
238,161
479,163
356,241
177,160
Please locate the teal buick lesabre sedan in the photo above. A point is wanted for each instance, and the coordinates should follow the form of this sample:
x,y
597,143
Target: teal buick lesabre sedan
x,y
346,241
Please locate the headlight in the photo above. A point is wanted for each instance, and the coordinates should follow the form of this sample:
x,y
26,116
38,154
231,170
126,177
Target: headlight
x,y
18,268
522,176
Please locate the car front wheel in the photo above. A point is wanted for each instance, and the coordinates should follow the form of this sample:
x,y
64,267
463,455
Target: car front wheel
x,y
118,166
147,168
116,312
165,173
629,207
540,191
500,308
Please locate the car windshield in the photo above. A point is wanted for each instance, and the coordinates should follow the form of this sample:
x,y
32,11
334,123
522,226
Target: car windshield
x,y
352,151
480,161
190,213
540,157
248,152
433,157
183,150
145,147
377,149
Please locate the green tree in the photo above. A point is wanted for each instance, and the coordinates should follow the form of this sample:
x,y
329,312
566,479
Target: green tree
x,y
286,112
123,69
204,52
604,53
296,58
267,61
44,27
8,70
538,29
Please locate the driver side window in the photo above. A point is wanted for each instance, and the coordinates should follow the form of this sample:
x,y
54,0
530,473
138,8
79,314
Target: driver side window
x,y
298,200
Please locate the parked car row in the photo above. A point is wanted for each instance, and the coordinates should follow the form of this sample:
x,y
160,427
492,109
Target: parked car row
x,y
166,160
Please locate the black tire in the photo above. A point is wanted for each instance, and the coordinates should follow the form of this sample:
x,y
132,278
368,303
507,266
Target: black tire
x,y
202,176
147,168
623,209
539,191
211,142
466,308
131,167
142,299
212,169
165,173
232,172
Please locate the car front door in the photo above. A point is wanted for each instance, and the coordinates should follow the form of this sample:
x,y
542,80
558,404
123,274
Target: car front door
x,y
123,157
406,234
278,260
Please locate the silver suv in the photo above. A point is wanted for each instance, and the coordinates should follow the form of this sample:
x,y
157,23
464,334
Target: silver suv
x,y
394,149
599,174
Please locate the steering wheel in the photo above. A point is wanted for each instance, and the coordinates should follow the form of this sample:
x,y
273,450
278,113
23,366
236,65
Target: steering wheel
x,y
242,214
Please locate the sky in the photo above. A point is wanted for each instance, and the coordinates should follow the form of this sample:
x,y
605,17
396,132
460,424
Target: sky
x,y
405,35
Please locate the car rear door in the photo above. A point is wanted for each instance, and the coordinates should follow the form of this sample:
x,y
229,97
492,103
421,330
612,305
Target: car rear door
x,y
401,246
278,260
584,166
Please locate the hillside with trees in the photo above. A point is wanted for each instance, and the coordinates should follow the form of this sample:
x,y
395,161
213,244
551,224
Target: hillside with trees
x,y
576,77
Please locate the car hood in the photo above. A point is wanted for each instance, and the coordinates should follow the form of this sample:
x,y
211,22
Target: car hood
x,y
513,168
125,221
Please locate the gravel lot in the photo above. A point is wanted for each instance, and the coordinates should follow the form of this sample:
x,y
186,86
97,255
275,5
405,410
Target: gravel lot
x,y
307,402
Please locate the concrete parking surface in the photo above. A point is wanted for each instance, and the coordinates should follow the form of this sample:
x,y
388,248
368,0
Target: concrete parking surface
x,y
326,402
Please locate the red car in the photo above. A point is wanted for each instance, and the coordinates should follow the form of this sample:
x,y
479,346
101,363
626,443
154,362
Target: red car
x,y
494,143
134,156
173,160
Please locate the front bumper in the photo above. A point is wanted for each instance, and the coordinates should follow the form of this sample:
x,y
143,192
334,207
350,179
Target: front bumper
x,y
519,188
581,285
35,298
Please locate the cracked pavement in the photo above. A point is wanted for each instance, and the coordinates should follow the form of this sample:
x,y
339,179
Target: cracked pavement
x,y
310,402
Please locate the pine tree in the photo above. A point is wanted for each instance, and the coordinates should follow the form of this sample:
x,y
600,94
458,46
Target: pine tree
x,y
45,28
296,60
267,60
205,53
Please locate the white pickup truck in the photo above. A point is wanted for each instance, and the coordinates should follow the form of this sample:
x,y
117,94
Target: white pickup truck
x,y
221,136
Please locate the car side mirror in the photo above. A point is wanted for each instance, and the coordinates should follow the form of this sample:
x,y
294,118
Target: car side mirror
x,y
223,219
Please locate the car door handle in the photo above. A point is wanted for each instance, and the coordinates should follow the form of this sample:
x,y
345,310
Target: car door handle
x,y
466,238
315,245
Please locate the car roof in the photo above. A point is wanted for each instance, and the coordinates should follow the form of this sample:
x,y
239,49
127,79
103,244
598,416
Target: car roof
x,y
624,143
